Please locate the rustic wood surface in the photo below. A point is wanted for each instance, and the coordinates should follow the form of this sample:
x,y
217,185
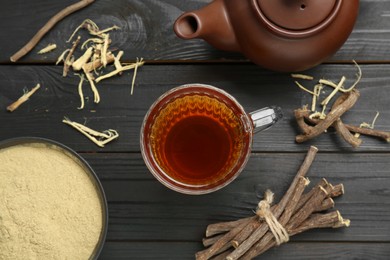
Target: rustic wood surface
x,y
148,221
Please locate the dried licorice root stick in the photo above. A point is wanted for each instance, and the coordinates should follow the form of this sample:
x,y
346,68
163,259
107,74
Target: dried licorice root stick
x,y
220,245
262,229
245,246
296,220
67,61
341,129
218,228
334,191
346,134
99,138
306,196
350,100
332,219
369,132
300,117
253,236
328,220
303,219
50,24
23,98
352,128
298,215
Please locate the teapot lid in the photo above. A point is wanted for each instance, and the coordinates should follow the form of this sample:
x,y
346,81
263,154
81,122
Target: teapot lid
x,y
296,18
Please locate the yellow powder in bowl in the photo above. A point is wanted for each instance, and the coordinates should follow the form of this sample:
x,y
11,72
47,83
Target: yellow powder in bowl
x,y
49,205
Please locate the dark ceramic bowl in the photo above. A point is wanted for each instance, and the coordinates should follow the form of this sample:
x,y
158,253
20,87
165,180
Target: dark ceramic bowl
x,y
80,161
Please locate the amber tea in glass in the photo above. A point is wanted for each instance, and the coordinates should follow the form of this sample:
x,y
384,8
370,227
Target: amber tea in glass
x,y
197,138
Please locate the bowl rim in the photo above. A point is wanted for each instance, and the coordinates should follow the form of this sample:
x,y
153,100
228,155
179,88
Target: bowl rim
x,y
86,167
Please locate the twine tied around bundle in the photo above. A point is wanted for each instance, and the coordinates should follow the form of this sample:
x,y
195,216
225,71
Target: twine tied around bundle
x,y
264,212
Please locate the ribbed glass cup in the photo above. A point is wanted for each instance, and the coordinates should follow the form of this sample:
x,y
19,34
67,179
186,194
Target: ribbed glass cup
x,y
196,139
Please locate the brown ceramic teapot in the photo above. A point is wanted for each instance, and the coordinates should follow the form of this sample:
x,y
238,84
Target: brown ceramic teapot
x,y
283,35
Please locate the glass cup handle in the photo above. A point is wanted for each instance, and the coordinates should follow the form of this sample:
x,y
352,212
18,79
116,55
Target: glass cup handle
x,y
265,118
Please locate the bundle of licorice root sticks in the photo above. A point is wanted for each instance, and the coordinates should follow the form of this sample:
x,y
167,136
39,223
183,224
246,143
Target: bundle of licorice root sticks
x,y
272,225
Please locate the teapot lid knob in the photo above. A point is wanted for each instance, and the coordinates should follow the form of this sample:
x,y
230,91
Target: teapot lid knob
x,y
297,17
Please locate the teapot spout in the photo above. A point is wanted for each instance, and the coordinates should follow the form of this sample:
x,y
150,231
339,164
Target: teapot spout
x,y
210,23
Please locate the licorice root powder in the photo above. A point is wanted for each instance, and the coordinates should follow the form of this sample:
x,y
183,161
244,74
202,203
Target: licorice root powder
x,y
49,206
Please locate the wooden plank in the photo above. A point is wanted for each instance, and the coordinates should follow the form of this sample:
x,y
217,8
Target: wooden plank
x,y
147,30
253,87
143,209
290,251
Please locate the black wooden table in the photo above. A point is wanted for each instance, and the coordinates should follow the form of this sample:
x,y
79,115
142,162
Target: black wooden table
x,y
148,221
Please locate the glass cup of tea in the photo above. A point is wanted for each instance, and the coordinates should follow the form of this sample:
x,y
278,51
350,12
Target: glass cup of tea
x,y
196,139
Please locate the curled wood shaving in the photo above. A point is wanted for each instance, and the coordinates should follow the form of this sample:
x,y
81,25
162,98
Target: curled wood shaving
x,y
117,61
103,32
121,69
97,50
104,50
139,62
91,26
99,138
301,76
79,63
303,88
68,60
367,125
343,90
329,83
372,125
98,55
48,48
87,23
62,56
80,90
317,92
93,40
323,114
358,75
319,115
334,92
90,66
318,88
27,94
93,87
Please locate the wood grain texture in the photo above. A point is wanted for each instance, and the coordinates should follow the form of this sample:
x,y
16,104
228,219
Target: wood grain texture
x,y
149,221
290,251
253,87
143,209
147,30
